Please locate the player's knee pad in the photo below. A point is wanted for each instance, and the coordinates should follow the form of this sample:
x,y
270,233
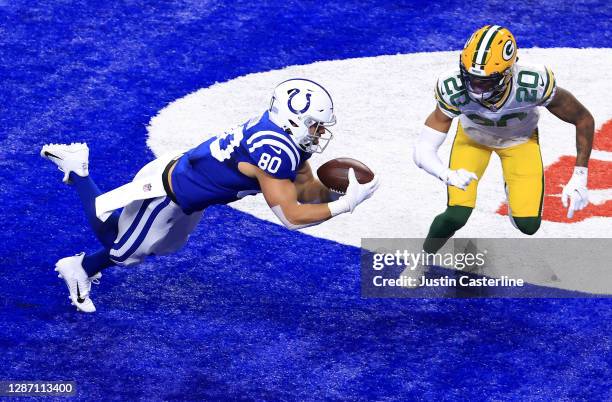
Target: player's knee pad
x,y
529,225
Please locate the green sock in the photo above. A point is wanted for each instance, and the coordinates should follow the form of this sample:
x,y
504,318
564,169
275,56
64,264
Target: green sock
x,y
444,226
528,225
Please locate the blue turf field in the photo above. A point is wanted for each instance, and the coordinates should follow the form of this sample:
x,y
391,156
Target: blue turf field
x,y
243,312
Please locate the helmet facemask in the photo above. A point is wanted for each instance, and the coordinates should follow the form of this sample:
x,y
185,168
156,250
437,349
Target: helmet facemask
x,y
318,135
486,89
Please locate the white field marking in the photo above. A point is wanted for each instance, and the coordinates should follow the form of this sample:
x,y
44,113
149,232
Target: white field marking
x,y
599,197
381,103
601,155
596,197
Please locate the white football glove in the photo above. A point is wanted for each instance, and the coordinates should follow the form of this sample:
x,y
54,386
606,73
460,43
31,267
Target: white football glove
x,y
575,192
356,193
460,178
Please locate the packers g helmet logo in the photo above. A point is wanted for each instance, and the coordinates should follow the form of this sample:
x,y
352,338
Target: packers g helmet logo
x,y
508,50
294,92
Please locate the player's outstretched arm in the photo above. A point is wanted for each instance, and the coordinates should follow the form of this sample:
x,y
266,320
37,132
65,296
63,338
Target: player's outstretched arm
x,y
565,106
310,190
425,153
282,197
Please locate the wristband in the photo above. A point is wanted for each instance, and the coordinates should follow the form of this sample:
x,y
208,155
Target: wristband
x,y
339,206
580,176
581,171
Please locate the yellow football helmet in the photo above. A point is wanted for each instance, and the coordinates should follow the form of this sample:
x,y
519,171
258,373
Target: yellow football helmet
x,y
486,63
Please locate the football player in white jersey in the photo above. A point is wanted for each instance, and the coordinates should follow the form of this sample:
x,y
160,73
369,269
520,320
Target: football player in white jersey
x,y
496,101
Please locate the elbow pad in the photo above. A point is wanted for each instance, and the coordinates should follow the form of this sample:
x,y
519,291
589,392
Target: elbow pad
x,y
425,153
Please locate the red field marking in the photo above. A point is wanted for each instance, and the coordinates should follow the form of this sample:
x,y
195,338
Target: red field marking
x,y
559,173
603,137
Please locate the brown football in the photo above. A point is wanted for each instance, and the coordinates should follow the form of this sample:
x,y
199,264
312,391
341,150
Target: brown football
x,y
334,173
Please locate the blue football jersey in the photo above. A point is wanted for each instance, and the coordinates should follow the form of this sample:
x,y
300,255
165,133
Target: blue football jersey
x,y
208,174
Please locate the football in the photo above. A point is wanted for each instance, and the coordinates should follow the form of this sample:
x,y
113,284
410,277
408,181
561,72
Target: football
x,y
334,173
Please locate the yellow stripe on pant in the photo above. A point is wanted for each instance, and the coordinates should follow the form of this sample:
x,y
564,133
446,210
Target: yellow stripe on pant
x,y
522,167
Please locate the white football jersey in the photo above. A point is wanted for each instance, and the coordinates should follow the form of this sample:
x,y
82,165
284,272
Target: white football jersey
x,y
508,122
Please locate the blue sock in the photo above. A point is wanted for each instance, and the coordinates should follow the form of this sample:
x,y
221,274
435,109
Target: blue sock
x,y
106,232
96,262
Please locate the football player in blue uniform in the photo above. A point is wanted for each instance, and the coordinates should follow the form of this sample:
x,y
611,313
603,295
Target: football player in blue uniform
x,y
165,201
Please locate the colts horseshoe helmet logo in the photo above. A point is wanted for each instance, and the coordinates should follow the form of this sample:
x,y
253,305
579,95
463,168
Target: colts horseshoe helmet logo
x,y
508,51
294,92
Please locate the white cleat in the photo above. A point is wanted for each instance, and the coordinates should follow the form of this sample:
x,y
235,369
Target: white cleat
x,y
68,158
70,269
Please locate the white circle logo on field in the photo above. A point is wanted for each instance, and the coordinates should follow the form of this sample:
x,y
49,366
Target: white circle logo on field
x,y
381,104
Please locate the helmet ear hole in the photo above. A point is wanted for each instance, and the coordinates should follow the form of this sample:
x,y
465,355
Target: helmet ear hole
x,y
294,124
